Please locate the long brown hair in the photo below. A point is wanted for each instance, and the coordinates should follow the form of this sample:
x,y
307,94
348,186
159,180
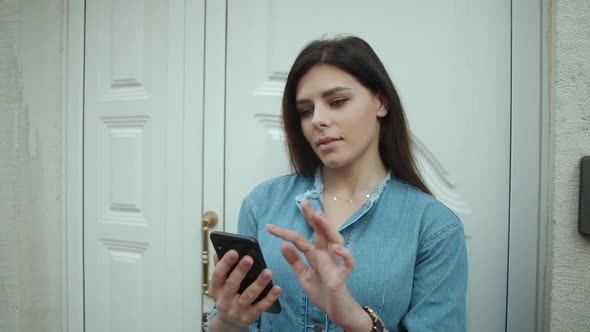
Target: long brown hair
x,y
357,58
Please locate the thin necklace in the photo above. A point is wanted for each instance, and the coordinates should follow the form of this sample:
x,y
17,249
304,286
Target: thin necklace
x,y
336,198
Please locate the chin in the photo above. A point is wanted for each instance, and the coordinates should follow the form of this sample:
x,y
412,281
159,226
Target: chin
x,y
334,163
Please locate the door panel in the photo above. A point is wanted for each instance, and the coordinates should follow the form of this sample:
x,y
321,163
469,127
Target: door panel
x,y
451,64
141,207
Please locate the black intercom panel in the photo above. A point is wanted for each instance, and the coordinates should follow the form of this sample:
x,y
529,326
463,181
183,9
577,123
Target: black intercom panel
x,y
584,212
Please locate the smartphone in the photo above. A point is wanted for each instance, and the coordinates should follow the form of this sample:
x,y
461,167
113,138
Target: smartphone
x,y
244,245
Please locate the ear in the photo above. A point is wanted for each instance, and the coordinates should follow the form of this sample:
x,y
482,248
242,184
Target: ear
x,y
383,107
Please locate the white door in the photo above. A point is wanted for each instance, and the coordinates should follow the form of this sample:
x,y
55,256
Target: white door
x,y
142,153
450,61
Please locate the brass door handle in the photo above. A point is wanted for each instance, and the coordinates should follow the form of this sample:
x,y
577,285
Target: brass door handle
x,y
209,220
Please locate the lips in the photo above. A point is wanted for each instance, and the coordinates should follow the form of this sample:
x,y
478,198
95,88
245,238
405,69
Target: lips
x,y
328,144
327,140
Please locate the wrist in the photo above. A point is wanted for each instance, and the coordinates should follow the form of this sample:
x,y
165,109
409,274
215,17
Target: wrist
x,y
218,324
361,323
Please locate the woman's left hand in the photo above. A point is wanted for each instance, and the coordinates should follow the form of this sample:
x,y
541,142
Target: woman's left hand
x,y
330,264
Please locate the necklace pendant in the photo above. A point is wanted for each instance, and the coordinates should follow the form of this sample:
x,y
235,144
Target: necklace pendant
x,y
349,200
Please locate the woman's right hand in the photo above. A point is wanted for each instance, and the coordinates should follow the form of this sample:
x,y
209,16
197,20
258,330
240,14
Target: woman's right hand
x,y
235,311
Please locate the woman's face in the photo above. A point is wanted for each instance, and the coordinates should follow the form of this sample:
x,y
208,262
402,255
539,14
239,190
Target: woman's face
x,y
339,116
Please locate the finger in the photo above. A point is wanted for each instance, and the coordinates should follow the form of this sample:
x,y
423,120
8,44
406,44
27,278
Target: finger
x,y
335,266
324,233
325,230
300,242
332,274
221,270
232,283
323,227
293,258
253,291
348,261
267,301
215,260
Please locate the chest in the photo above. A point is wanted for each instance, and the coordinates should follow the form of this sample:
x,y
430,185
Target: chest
x,y
339,211
382,278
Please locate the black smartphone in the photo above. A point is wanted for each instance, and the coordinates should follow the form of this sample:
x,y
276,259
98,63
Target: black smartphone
x,y
244,245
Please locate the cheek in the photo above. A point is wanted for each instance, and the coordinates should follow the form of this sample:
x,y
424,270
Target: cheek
x,y
361,122
364,129
307,129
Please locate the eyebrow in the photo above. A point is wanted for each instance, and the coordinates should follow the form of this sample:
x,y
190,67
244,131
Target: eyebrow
x,y
324,94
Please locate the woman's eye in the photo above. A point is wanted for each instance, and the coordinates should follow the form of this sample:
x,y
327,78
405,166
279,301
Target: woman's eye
x,y
305,112
338,102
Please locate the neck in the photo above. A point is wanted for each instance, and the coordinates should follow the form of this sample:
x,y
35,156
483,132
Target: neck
x,y
352,181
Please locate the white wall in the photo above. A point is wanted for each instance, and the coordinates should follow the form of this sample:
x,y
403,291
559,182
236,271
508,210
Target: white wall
x,y
30,165
569,103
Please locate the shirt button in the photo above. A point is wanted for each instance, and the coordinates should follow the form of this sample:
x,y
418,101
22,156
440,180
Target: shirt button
x,y
318,327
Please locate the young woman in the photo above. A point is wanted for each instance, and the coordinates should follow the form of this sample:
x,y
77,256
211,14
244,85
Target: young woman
x,y
353,240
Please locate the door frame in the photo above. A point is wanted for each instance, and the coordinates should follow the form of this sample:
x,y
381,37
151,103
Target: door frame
x,y
73,165
529,165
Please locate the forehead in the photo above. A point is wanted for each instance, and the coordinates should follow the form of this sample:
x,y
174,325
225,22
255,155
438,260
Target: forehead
x,y
323,77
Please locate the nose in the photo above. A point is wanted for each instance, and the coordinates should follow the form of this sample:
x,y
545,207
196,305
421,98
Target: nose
x,y
320,117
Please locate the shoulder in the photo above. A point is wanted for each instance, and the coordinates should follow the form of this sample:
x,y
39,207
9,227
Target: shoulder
x,y
279,188
435,218
274,198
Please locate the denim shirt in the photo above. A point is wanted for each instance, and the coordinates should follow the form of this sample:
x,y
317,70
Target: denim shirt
x,y
410,253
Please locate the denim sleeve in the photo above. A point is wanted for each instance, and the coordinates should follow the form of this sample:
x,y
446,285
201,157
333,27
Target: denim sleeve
x,y
440,283
247,225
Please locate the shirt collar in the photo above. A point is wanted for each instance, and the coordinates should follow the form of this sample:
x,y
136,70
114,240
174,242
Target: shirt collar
x,y
315,193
